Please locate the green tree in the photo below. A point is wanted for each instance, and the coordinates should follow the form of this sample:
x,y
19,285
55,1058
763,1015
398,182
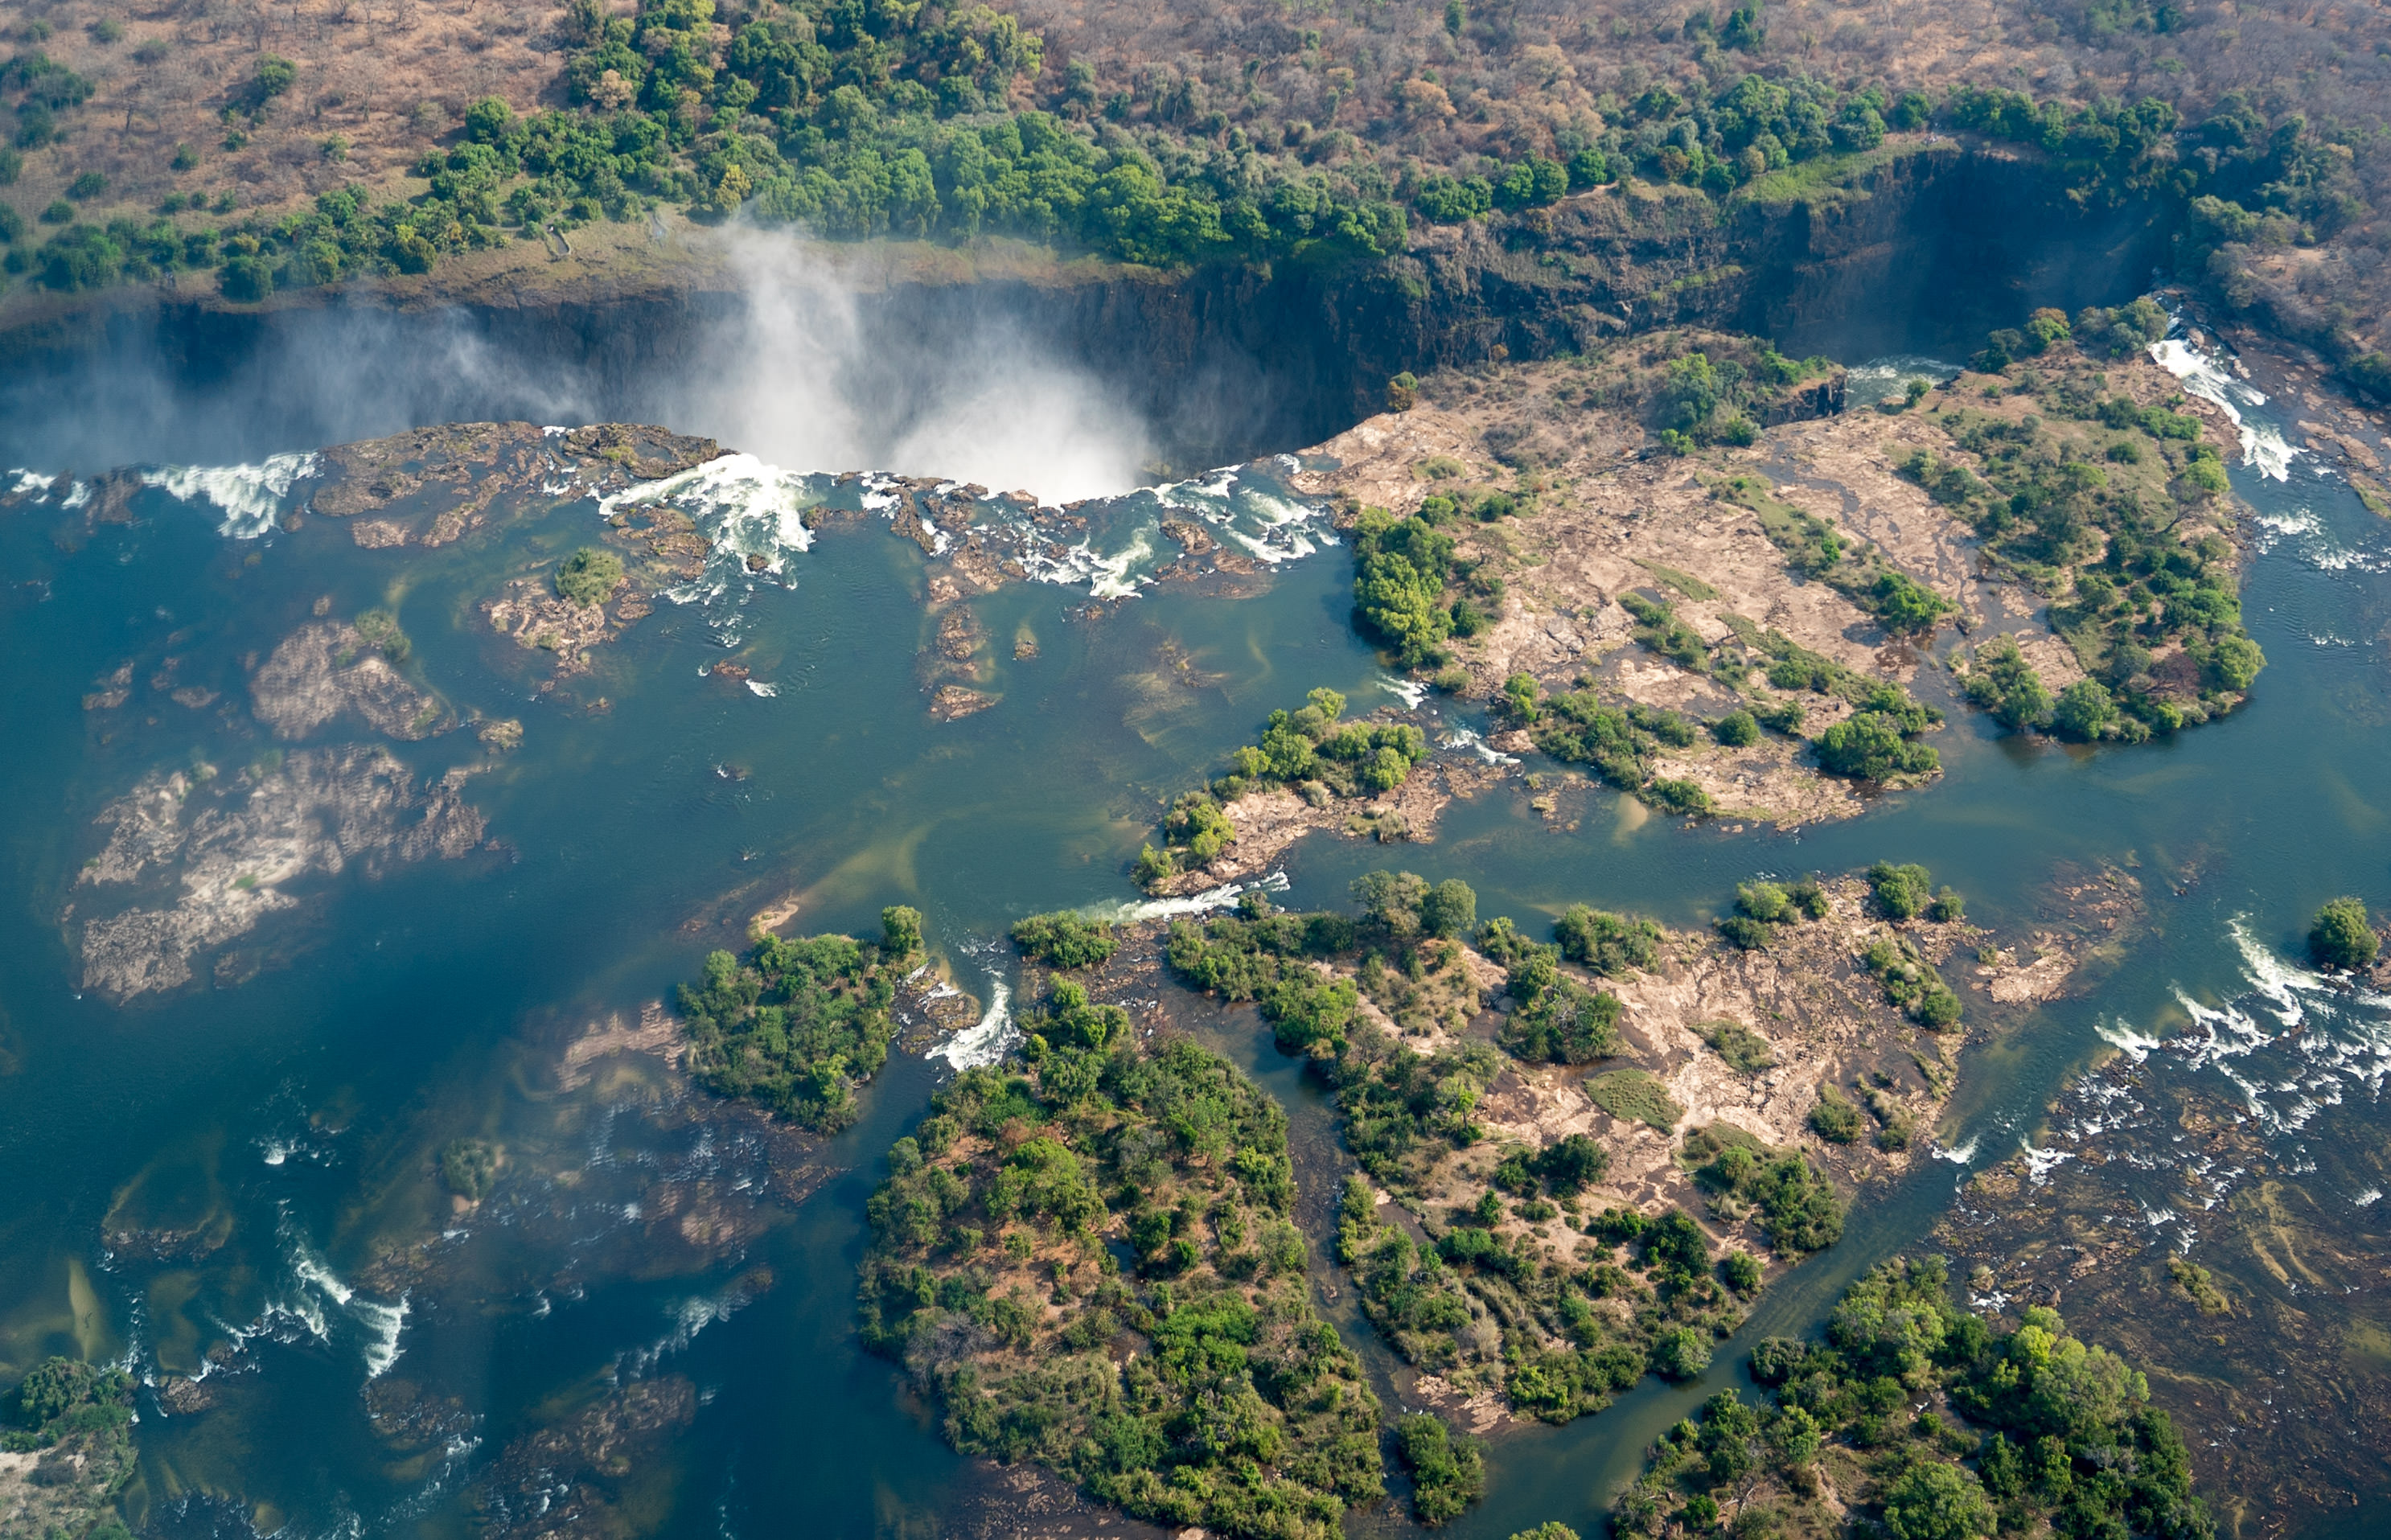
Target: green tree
x,y
1870,746
1449,910
2341,936
2085,711
900,931
1932,1501
590,575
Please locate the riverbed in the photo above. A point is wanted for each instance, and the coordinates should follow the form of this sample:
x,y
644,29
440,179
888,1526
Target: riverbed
x,y
231,1181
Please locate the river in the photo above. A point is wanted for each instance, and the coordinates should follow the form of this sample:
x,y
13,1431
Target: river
x,y
276,1123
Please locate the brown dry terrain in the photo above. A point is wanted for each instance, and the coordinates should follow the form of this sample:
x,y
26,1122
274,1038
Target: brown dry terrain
x,y
1608,516
392,78
1819,1025
1361,94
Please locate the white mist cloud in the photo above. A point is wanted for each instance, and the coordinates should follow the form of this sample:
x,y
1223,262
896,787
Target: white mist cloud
x,y
804,376
812,365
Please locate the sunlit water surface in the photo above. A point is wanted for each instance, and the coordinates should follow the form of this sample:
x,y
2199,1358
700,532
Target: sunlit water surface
x,y
293,1117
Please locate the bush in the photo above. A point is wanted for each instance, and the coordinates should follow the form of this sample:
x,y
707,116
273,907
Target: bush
x,y
1905,607
1449,910
468,1168
1932,1501
275,75
2002,682
1901,892
1736,730
1835,1119
59,211
1680,1352
2342,937
246,279
2085,711
1448,1472
1064,940
1607,943
86,187
589,576
1565,1023
1571,1163
1870,746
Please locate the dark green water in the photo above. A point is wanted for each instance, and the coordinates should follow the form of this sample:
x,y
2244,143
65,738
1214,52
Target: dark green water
x,y
296,1114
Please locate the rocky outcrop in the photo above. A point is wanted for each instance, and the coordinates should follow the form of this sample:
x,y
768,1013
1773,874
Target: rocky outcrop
x,y
323,670
209,861
1928,246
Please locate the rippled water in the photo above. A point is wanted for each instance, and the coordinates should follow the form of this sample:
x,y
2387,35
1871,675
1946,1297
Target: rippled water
x,y
278,1133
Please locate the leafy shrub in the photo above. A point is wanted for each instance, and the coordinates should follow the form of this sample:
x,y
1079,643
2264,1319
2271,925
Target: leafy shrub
x,y
1607,943
1064,940
1448,1472
468,1168
1565,1023
2002,682
1834,1118
1871,747
2341,936
1900,892
1739,729
1680,1352
590,575
2084,711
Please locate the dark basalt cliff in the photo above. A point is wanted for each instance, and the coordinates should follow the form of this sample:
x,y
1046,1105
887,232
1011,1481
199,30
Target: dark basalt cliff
x,y
1925,250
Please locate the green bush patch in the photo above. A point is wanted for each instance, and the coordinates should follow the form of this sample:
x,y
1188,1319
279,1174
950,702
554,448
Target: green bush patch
x,y
990,1275
796,1025
1634,1095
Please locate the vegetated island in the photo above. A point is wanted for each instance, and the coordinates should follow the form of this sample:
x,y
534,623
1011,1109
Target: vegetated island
x,y
1581,1160
1931,1420
796,1025
66,1451
1092,1263
1521,1111
1611,552
1311,768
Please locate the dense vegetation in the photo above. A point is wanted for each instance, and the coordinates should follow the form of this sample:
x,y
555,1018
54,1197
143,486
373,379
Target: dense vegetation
x,y
2098,509
991,1276
590,575
2018,1430
1064,939
1309,750
1626,744
1488,1300
2342,937
1401,567
796,1025
77,1417
1163,134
